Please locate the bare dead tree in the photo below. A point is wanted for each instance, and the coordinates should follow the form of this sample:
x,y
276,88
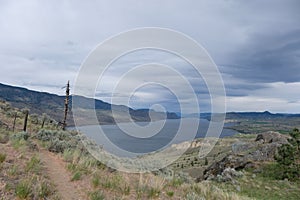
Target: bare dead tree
x,y
64,124
26,112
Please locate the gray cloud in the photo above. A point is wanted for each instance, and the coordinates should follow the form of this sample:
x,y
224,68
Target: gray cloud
x,y
270,58
256,45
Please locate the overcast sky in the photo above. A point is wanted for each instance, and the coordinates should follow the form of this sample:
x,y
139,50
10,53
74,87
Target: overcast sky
x,y
255,44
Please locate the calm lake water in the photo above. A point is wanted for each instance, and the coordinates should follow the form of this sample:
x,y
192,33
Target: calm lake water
x,y
116,141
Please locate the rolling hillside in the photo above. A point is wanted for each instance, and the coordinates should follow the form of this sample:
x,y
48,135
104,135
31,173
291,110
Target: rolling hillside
x,y
53,105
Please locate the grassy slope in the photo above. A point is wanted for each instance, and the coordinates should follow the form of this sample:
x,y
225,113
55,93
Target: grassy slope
x,y
21,171
118,185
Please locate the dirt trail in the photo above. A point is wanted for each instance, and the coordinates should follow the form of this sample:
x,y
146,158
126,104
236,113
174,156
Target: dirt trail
x,y
58,174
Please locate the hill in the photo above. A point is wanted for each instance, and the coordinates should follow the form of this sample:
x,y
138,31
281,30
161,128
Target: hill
x,y
53,105
266,115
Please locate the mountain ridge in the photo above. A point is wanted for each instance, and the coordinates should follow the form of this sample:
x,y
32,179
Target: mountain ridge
x,y
53,105
246,115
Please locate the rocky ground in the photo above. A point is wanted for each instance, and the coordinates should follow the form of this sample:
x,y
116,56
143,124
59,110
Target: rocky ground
x,y
246,155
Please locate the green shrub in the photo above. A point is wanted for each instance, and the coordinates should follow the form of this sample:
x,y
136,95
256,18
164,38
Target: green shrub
x,y
20,136
68,155
111,182
2,157
45,189
193,196
97,195
107,184
9,187
170,193
206,161
272,171
19,144
59,141
47,135
58,146
176,182
288,158
192,164
4,138
96,181
71,167
126,189
153,192
23,190
12,171
76,176
34,165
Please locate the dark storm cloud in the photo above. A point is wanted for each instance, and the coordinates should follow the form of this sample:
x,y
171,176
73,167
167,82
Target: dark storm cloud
x,y
270,58
255,44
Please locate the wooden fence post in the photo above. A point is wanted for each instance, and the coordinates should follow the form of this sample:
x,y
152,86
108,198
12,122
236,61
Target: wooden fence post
x,y
15,118
44,119
25,120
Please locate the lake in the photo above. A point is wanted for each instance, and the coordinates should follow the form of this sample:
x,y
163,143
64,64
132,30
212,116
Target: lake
x,y
141,139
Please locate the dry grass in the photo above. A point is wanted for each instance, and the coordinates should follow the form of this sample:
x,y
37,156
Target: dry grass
x,y
23,176
208,190
24,167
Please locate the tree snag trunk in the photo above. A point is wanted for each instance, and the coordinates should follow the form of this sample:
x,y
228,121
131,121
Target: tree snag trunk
x,y
66,105
25,120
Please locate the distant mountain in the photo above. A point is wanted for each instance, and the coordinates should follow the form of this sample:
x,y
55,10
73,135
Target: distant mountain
x,y
258,115
53,105
246,115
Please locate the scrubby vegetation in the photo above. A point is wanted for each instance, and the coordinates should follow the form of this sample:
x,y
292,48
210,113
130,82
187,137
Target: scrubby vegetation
x,y
23,174
106,182
287,164
288,158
